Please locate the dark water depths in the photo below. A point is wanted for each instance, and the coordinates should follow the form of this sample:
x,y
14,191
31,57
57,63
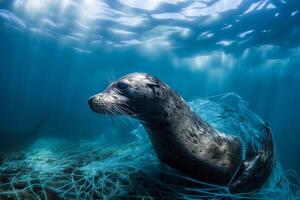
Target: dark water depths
x,y
55,54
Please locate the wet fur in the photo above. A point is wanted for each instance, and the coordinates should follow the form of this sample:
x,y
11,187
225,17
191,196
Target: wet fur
x,y
183,140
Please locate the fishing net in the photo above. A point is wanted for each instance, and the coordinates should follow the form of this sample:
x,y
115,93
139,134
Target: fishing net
x,y
97,169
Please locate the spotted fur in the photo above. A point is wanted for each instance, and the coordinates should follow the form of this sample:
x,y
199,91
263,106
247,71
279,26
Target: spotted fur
x,y
183,140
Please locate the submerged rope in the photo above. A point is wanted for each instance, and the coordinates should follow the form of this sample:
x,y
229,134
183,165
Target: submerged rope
x,y
57,169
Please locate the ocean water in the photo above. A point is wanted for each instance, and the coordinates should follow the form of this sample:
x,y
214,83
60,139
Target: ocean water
x,y
55,54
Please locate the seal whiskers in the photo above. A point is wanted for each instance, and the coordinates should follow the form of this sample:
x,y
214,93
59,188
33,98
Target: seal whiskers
x,y
183,140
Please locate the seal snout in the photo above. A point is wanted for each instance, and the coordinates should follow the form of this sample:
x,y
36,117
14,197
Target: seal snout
x,y
99,103
94,103
90,101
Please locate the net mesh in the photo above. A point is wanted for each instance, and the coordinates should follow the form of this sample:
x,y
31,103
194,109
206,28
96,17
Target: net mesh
x,y
96,169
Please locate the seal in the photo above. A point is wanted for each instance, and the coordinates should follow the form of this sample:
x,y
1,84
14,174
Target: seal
x,y
183,140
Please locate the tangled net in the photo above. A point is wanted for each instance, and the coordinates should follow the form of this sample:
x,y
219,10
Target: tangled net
x,y
58,169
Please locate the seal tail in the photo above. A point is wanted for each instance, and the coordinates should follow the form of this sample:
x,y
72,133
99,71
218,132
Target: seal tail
x,y
255,170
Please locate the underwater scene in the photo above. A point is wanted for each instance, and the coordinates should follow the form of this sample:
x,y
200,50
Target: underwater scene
x,y
152,99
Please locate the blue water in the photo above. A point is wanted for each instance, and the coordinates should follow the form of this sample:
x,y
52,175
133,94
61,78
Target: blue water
x,y
55,54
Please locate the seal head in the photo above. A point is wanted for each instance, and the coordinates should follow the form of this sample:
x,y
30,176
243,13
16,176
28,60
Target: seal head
x,y
137,95
183,140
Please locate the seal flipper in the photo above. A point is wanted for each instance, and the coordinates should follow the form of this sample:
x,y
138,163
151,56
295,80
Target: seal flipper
x,y
254,171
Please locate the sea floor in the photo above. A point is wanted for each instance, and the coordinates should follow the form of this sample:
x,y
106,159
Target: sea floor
x,y
96,169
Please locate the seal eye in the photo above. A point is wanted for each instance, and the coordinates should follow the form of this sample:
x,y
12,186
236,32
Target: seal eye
x,y
122,86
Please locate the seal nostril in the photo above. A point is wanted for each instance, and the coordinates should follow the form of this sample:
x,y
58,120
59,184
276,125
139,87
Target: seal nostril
x,y
90,101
